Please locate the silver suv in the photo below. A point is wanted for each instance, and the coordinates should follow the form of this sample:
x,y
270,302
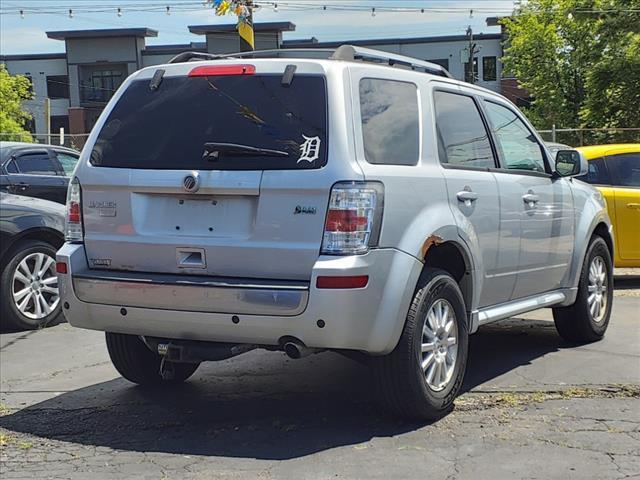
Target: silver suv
x,y
364,202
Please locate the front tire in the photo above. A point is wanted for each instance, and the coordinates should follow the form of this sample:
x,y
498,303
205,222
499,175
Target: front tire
x,y
588,318
422,376
138,364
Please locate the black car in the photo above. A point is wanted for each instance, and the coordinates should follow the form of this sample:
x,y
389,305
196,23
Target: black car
x,y
31,231
36,170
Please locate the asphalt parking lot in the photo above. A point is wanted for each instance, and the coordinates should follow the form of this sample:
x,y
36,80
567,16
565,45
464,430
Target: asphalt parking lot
x,y
533,407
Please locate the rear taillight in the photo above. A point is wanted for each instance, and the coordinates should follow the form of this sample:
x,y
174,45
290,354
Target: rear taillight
x,y
354,218
73,224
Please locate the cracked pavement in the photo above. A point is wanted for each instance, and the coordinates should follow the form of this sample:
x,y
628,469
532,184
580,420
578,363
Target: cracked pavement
x,y
533,407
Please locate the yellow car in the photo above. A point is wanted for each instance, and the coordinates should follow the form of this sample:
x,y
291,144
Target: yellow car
x,y
615,171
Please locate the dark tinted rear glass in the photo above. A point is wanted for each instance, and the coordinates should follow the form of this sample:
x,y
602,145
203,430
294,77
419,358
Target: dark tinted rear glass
x,y
36,164
168,128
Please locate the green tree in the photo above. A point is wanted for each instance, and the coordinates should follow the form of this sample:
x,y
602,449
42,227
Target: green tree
x,y
13,90
579,59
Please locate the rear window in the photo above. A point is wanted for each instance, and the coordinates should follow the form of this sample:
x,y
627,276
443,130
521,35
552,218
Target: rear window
x,y
182,124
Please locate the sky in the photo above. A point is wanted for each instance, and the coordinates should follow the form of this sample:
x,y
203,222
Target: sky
x,y
27,35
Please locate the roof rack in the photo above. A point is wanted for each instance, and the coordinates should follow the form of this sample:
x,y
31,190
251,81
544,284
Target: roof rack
x,y
351,53
344,52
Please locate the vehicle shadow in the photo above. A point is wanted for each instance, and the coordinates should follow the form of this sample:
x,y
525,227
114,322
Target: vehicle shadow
x,y
260,405
626,282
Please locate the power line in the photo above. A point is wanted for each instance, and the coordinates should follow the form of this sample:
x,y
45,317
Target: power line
x,y
276,5
190,5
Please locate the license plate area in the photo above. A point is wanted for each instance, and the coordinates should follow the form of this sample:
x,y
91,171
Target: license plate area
x,y
227,216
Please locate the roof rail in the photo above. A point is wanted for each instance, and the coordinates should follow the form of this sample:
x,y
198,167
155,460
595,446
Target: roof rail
x,y
344,52
351,53
281,52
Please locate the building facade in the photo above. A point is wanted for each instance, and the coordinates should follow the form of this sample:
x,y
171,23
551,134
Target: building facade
x,y
70,89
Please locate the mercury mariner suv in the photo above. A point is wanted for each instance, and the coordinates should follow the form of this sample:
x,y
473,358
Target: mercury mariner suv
x,y
361,202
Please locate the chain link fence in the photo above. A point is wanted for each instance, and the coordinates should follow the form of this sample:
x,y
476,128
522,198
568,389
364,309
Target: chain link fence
x,y
75,141
578,137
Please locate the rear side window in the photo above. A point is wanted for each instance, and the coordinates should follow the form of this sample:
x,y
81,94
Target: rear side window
x,y
36,164
597,173
462,137
390,121
626,168
183,124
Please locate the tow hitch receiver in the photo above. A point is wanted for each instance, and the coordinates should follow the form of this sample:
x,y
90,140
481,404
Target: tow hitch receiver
x,y
184,351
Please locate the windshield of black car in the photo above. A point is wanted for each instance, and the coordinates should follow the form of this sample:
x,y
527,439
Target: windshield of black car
x,y
168,128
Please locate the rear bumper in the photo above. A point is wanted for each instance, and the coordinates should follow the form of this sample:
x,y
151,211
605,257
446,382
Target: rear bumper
x,y
191,294
368,319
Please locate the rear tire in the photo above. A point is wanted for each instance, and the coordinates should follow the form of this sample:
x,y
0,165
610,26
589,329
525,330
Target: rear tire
x,y
404,386
588,318
138,364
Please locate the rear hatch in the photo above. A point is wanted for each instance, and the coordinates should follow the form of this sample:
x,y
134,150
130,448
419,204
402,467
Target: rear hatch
x,y
215,173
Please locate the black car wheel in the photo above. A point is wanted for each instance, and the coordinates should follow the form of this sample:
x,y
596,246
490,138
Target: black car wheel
x,y
29,289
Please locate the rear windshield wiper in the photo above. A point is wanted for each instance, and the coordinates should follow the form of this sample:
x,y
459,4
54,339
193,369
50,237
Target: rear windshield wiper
x,y
212,151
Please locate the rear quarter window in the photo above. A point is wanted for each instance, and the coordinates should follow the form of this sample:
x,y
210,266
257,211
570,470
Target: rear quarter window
x,y
169,128
390,121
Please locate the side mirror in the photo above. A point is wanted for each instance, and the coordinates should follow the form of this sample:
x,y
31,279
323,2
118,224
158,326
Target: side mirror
x,y
571,163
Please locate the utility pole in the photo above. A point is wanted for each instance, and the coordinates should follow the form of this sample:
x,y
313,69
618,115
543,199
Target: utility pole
x,y
245,29
473,49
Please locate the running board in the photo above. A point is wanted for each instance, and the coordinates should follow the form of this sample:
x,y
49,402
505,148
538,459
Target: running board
x,y
516,307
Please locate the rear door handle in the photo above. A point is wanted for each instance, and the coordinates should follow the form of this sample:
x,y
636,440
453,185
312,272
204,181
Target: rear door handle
x,y
530,199
467,196
19,187
633,205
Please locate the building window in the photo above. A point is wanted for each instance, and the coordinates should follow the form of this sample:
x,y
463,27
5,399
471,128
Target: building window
x,y
57,86
98,83
443,62
489,70
467,73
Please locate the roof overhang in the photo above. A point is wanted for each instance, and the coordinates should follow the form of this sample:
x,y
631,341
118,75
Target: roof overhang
x,y
103,33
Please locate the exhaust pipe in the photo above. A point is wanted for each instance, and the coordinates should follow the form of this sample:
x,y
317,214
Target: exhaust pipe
x,y
296,349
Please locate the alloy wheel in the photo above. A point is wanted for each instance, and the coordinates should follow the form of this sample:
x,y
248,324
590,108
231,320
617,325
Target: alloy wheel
x,y
439,348
597,298
35,286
